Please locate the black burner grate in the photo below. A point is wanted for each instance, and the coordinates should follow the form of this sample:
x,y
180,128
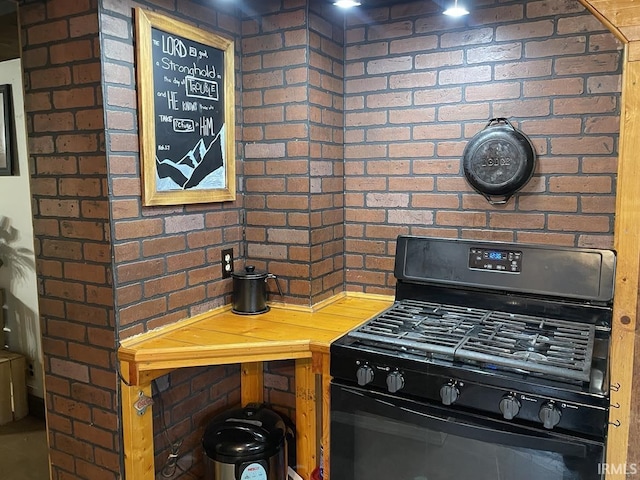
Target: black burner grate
x,y
492,338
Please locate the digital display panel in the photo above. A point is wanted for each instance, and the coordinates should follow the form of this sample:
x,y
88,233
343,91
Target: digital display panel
x,y
505,261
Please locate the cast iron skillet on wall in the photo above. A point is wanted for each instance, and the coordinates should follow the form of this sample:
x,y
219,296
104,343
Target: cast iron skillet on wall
x,y
498,161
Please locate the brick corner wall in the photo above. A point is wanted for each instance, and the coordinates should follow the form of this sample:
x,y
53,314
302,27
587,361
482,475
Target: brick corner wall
x,y
167,260
292,58
326,132
63,102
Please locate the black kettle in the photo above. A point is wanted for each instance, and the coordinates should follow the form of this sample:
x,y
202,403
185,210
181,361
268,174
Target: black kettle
x,y
250,291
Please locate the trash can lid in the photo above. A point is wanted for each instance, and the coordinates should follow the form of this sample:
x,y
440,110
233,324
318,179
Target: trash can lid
x,y
244,434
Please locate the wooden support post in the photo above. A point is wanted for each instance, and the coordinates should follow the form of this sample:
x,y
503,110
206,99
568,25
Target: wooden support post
x,y
252,383
627,243
137,431
306,428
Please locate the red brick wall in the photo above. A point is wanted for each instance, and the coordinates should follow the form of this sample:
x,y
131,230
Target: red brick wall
x,y
292,59
419,85
167,259
292,132
61,59
87,213
275,96
188,399
326,135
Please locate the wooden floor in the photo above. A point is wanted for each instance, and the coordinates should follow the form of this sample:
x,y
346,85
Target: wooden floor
x,y
23,450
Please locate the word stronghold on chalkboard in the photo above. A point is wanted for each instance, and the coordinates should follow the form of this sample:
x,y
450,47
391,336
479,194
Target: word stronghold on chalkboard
x,y
187,120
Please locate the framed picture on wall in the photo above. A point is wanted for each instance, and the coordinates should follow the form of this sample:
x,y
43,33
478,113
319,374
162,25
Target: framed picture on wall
x,y
186,106
6,131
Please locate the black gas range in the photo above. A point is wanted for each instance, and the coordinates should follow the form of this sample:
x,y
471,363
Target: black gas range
x,y
514,335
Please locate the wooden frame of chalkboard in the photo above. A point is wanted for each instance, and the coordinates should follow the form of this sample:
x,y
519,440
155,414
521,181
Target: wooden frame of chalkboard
x,y
186,112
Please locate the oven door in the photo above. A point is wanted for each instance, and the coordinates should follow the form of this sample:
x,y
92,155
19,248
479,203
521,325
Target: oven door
x,y
376,436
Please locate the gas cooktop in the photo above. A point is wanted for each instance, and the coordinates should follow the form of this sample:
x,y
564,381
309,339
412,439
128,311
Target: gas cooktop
x,y
498,340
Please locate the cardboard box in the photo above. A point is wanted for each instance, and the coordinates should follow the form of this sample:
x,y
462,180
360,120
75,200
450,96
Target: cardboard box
x,y
13,387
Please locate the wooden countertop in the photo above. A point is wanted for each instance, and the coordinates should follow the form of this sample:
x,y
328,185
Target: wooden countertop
x,y
222,337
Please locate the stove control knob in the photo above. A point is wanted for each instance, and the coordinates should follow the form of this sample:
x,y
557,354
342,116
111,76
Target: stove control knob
x,y
549,415
509,406
449,393
364,375
395,381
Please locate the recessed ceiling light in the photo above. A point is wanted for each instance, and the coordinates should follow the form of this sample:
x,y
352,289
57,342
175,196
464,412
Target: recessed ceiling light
x,y
347,3
456,10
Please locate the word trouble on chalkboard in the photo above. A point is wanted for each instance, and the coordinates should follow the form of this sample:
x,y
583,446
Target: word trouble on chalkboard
x,y
186,103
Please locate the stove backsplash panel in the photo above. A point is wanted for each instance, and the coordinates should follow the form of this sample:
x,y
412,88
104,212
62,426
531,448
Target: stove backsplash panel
x,y
562,272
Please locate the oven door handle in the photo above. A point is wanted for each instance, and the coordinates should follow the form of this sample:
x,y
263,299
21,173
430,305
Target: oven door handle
x,y
567,446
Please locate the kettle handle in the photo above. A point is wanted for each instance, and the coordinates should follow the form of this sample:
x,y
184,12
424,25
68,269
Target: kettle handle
x,y
271,275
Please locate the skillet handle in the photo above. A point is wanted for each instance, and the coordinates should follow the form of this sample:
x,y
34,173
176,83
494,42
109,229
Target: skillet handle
x,y
500,120
504,200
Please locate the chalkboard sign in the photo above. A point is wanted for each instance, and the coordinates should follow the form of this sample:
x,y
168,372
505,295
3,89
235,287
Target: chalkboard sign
x,y
186,104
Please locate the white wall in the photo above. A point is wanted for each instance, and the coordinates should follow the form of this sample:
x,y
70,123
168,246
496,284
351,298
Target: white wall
x,y
22,316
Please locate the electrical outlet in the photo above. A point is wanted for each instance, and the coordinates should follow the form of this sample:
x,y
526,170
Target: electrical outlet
x,y
227,262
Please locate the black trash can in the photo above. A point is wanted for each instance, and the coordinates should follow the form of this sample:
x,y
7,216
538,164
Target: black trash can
x,y
247,443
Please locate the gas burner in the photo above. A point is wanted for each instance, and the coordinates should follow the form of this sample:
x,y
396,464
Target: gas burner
x,y
530,356
436,312
533,343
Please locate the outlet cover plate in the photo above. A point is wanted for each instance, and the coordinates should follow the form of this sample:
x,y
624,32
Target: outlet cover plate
x,y
227,262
